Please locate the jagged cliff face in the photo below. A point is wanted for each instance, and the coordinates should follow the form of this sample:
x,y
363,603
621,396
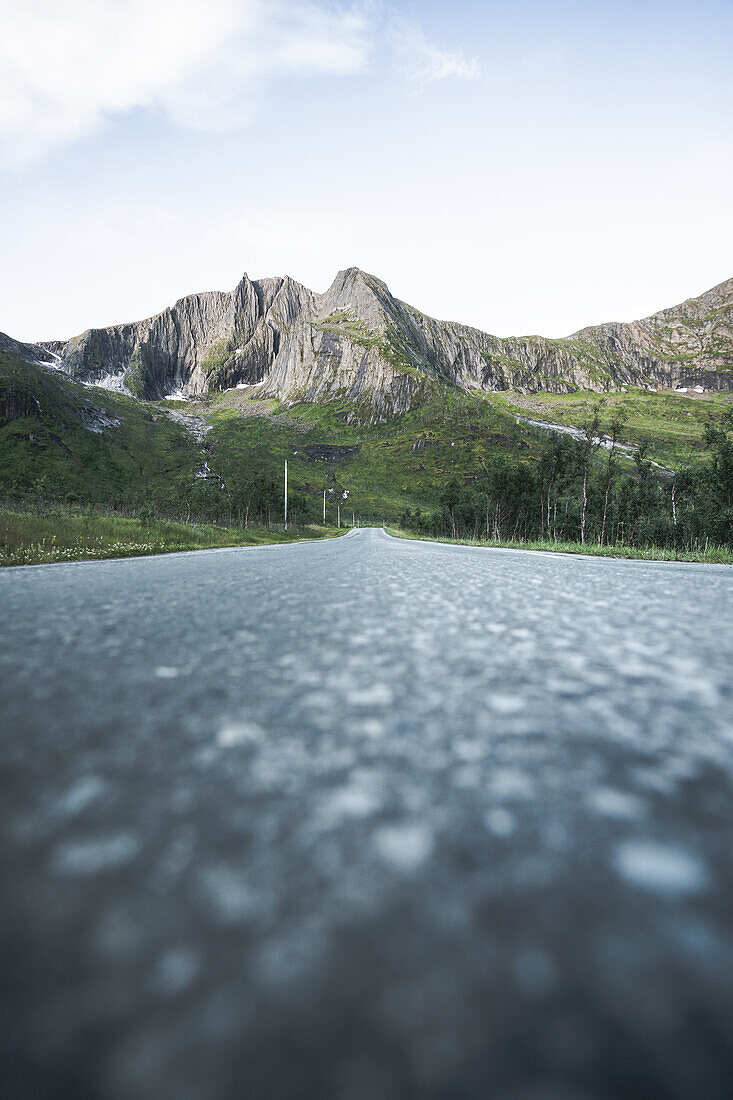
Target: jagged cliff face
x,y
360,343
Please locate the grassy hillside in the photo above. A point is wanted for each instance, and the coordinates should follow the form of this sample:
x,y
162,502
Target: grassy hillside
x,y
671,423
406,462
85,444
65,442
386,467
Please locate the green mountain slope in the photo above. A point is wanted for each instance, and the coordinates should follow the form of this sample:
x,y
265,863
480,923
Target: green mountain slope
x,y
62,439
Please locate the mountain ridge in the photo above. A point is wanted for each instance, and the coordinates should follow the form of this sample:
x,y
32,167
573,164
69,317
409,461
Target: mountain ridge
x,y
358,342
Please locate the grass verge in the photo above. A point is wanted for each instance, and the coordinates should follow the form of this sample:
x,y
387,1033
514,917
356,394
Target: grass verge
x,y
61,534
710,555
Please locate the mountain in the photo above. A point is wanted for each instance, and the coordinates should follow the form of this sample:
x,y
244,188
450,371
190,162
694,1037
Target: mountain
x,y
359,343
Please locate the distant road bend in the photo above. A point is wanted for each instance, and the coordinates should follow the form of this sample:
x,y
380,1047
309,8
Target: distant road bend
x,y
367,819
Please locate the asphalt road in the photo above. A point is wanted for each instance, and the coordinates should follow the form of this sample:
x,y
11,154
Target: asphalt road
x,y
367,819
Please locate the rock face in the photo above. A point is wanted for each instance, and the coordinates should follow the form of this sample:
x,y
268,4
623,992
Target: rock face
x,y
358,343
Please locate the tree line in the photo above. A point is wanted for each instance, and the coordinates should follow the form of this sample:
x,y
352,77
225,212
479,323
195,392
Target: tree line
x,y
583,491
253,496
579,492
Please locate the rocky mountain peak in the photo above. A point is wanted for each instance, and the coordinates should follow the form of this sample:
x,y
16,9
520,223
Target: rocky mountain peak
x,y
357,342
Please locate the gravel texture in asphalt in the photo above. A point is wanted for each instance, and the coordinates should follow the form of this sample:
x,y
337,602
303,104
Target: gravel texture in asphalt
x,y
367,819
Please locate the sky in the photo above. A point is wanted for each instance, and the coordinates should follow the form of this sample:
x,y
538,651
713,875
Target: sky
x,y
531,167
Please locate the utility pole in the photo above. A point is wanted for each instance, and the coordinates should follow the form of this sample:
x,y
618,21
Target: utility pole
x,y
286,494
353,521
339,515
324,507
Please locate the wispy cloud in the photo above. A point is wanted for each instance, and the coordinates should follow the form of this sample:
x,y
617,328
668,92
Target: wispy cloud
x,y
66,66
423,62
279,41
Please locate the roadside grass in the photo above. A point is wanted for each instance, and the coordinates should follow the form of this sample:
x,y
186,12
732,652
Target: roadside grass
x,y
63,534
711,555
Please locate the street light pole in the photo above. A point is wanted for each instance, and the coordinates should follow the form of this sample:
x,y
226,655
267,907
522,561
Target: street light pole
x,y
324,507
286,494
339,515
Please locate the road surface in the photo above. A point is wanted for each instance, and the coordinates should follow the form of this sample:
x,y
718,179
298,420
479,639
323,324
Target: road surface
x,y
367,819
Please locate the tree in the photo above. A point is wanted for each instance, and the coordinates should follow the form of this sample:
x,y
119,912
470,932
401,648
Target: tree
x,y
617,424
591,443
555,468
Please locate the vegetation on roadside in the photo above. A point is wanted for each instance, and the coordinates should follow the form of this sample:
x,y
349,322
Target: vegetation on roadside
x,y
64,534
712,555
459,465
575,493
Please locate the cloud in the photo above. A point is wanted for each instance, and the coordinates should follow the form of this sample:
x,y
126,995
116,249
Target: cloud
x,y
280,41
67,66
422,62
